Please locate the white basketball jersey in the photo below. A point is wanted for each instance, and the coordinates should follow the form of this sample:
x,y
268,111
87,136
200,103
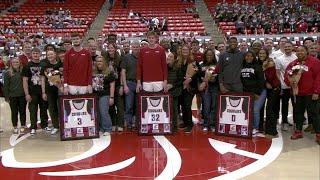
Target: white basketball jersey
x,y
233,114
79,117
155,113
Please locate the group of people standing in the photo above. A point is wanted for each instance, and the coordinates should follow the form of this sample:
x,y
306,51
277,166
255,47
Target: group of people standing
x,y
117,74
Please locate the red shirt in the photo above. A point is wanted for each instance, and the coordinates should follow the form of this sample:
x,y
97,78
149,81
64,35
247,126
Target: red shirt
x,y
77,68
152,65
309,82
271,77
23,59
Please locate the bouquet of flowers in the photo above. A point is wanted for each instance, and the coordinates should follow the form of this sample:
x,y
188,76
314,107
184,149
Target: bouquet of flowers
x,y
210,73
54,77
294,76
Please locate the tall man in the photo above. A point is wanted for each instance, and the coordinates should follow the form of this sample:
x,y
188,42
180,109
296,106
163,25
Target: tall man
x,y
152,72
77,69
128,76
230,64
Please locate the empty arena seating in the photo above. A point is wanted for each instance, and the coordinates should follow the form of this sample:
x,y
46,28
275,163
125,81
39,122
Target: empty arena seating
x,y
33,9
179,22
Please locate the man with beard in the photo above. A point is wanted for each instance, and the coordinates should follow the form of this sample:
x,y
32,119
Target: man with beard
x,y
128,76
77,69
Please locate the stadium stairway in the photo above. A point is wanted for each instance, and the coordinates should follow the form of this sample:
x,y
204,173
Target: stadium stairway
x,y
18,4
97,25
208,22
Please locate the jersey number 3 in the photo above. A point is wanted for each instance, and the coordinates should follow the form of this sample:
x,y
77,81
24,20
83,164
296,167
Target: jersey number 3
x,y
79,121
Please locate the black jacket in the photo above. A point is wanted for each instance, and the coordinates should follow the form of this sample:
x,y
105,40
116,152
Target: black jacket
x,y
252,77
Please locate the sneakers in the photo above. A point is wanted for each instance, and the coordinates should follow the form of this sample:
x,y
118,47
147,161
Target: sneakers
x,y
113,128
309,128
22,130
106,134
120,129
297,135
47,129
205,129
15,130
33,132
1,130
188,129
54,131
255,132
285,127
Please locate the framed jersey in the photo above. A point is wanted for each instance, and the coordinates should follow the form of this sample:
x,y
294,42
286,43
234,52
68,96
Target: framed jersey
x,y
235,115
78,117
154,113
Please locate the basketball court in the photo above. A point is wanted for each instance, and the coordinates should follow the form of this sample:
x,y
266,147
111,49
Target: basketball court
x,y
126,155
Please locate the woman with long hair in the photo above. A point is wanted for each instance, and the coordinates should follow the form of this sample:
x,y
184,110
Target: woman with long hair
x,y
103,85
190,85
253,81
113,61
273,92
209,87
14,95
175,80
50,83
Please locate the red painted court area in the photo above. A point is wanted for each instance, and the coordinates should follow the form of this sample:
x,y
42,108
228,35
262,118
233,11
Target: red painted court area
x,y
199,160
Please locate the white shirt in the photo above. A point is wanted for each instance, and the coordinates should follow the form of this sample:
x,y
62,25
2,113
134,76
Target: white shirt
x,y
281,64
275,54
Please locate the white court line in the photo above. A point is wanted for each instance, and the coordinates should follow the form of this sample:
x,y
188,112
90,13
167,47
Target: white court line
x,y
173,159
14,138
223,147
273,152
92,171
8,159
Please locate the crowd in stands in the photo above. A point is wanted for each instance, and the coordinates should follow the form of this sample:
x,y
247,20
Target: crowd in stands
x,y
153,23
284,16
60,19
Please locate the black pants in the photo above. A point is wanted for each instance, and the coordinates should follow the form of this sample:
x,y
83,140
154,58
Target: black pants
x,y
186,108
36,102
261,122
18,106
302,104
175,105
117,110
53,108
271,116
285,97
